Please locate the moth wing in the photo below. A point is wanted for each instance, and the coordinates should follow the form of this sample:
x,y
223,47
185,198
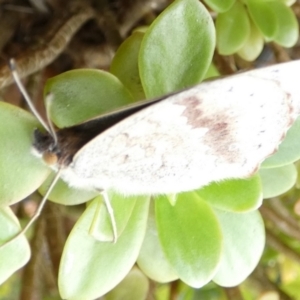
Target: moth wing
x,y
217,130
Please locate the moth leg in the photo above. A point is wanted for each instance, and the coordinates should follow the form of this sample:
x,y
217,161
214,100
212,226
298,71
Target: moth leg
x,y
37,213
110,213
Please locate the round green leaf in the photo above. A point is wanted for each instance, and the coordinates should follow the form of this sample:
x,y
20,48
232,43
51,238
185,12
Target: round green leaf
x,y
289,2
212,72
264,17
63,194
90,268
233,29
21,172
190,236
276,181
82,94
288,151
134,286
288,29
125,65
236,195
16,253
254,44
244,241
152,260
101,227
219,6
177,48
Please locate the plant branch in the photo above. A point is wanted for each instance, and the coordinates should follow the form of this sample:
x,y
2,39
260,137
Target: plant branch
x,y
43,56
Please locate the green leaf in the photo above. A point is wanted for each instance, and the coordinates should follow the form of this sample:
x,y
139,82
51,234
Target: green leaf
x,y
220,6
233,29
125,65
264,17
16,253
190,236
237,195
244,241
254,44
288,151
288,29
134,286
82,94
276,181
63,194
89,268
152,260
212,72
289,2
21,172
101,227
177,48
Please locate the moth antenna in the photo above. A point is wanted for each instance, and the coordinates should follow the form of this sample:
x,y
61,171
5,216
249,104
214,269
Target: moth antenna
x,y
48,102
12,65
111,214
38,212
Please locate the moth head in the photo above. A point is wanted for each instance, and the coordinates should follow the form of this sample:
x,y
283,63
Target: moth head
x,y
58,149
45,145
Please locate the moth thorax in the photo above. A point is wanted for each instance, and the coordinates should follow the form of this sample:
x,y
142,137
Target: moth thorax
x,y
50,158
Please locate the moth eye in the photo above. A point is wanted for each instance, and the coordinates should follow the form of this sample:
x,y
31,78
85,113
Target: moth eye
x,y
50,158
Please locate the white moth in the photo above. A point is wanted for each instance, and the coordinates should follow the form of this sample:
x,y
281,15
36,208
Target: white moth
x,y
217,130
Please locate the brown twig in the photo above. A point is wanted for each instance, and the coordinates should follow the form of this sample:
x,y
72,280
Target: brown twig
x,y
280,53
263,283
233,293
137,11
286,225
8,21
46,54
33,281
225,65
55,233
274,242
281,210
108,23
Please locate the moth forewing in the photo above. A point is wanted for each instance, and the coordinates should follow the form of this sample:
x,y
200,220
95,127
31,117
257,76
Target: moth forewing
x,y
217,130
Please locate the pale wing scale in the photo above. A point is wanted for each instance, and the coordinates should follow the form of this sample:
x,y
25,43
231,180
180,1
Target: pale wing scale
x,y
217,130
